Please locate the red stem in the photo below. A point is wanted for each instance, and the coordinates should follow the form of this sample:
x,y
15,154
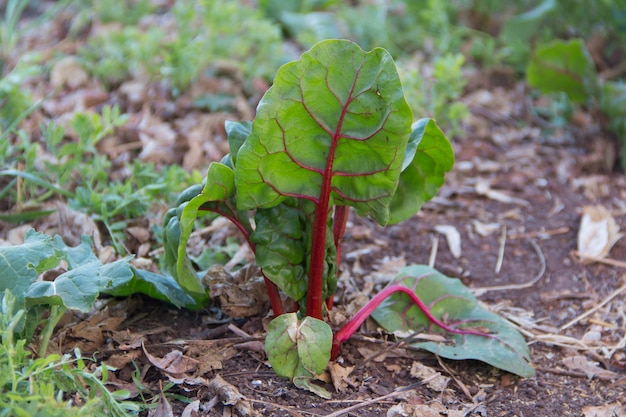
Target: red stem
x,y
355,322
314,299
340,219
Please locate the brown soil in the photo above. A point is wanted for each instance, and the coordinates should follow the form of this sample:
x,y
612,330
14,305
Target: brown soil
x,y
541,226
542,180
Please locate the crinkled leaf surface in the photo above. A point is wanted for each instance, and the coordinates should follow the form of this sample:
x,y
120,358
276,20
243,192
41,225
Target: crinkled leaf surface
x,y
79,287
429,155
281,248
563,66
21,264
335,123
502,346
299,349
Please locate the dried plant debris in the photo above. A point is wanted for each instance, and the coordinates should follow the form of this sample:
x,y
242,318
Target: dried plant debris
x,y
597,234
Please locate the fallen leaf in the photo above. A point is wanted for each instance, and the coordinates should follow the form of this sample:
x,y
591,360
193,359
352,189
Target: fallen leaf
x,y
174,362
434,379
589,368
453,238
340,375
242,294
610,410
164,409
433,409
229,395
192,409
598,233
68,72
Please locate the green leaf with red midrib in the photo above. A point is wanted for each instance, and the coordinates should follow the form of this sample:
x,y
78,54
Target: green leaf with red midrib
x,y
329,131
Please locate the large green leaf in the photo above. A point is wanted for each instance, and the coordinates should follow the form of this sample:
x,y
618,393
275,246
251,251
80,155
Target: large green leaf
x,y
216,195
332,129
299,349
21,264
79,287
501,345
429,155
281,248
563,66
157,286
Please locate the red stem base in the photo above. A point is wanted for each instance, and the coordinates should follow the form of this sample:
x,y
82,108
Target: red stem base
x,y
355,322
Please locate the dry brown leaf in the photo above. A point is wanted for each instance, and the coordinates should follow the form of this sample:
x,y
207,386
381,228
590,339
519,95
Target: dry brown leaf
x,y
453,238
174,362
610,410
435,380
164,409
157,137
598,232
591,369
192,409
229,395
433,409
68,72
339,376
241,295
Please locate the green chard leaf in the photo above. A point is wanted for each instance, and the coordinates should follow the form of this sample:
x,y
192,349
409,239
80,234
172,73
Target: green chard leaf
x,y
501,345
160,287
332,129
299,349
21,264
217,195
429,155
563,66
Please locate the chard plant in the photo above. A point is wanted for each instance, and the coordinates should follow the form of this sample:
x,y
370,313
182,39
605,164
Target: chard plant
x,y
335,133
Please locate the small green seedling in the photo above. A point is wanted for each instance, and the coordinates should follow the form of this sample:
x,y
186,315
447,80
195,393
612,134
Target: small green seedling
x,y
335,132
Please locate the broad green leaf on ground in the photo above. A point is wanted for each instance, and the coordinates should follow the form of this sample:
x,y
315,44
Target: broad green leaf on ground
x,y
79,287
563,66
21,264
329,130
157,286
299,349
429,155
451,302
86,277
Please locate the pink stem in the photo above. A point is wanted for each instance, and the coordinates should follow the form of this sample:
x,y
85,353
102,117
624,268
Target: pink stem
x,y
355,322
340,219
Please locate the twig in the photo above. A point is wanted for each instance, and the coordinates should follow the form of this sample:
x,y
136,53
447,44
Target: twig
x,y
458,382
542,270
501,250
607,261
395,393
552,232
594,309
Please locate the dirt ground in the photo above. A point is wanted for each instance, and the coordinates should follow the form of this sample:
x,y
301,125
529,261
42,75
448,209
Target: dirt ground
x,y
516,195
527,220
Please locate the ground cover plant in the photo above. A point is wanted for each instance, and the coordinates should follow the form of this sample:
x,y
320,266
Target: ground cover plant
x,y
334,133
108,109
